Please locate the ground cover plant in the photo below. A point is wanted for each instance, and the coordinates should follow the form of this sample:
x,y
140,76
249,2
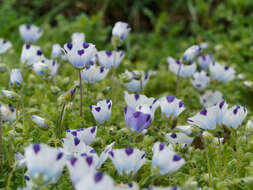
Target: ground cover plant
x,y
91,104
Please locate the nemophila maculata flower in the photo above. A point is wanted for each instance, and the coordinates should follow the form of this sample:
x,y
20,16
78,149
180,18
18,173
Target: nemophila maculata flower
x,y
16,78
248,83
136,80
79,54
102,111
93,73
11,95
128,160
78,38
178,138
8,113
56,51
171,106
204,45
191,53
31,54
235,116
200,80
4,45
249,126
44,163
187,129
20,159
210,98
165,159
137,120
221,73
46,67
95,181
30,33
42,122
163,188
241,76
109,59
121,30
128,186
208,118
180,69
134,100
205,60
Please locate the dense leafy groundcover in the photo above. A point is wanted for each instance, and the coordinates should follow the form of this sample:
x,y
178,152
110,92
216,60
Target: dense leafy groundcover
x,y
207,165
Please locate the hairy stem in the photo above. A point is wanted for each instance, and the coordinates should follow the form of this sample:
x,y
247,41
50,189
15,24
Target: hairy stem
x,y
81,94
60,121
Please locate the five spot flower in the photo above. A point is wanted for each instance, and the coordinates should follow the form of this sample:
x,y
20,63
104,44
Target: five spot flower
x,y
171,106
30,33
102,111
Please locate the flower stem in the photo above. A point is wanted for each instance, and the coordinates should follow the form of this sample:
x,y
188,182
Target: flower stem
x,y
0,138
81,94
60,121
207,158
178,80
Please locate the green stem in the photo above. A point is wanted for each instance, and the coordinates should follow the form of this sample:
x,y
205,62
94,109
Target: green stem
x,y
208,161
81,94
0,138
10,176
60,121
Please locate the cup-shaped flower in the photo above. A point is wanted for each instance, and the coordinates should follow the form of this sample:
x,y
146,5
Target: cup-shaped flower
x,y
31,54
171,106
136,80
121,30
133,100
4,45
46,67
221,73
127,160
79,54
44,160
42,122
102,111
180,69
210,98
191,53
110,59
200,80
205,60
165,159
11,95
78,38
235,116
95,181
137,120
16,78
7,112
93,73
30,33
179,138
56,51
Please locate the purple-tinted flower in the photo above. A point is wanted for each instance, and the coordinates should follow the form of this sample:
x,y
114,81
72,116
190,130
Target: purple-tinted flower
x,y
137,120
102,111
235,116
191,53
16,78
31,54
30,33
205,60
4,45
171,106
93,73
121,30
222,73
137,80
200,80
109,59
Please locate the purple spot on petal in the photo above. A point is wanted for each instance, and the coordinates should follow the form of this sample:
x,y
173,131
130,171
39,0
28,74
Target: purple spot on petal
x,y
69,46
98,109
80,52
143,156
173,135
27,178
93,129
137,96
39,52
148,118
98,177
176,158
89,160
74,133
85,45
170,98
28,27
146,76
76,141
181,104
226,68
108,53
204,57
109,106
27,46
36,148
59,156
111,153
73,161
161,147
203,112
102,69
221,104
129,151
125,110
90,106
137,114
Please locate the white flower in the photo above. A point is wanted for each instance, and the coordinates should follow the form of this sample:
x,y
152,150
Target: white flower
x,y
93,73
204,45
4,45
205,60
102,111
39,121
249,125
200,80
95,181
110,59
210,98
7,112
187,129
248,83
78,38
46,67
30,33
164,188
56,51
191,53
128,186
138,80
135,100
171,106
121,30
127,160
179,138
221,73
235,116
20,159
178,68
241,76
208,118
45,160
166,159
31,54
79,55
16,78
9,94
